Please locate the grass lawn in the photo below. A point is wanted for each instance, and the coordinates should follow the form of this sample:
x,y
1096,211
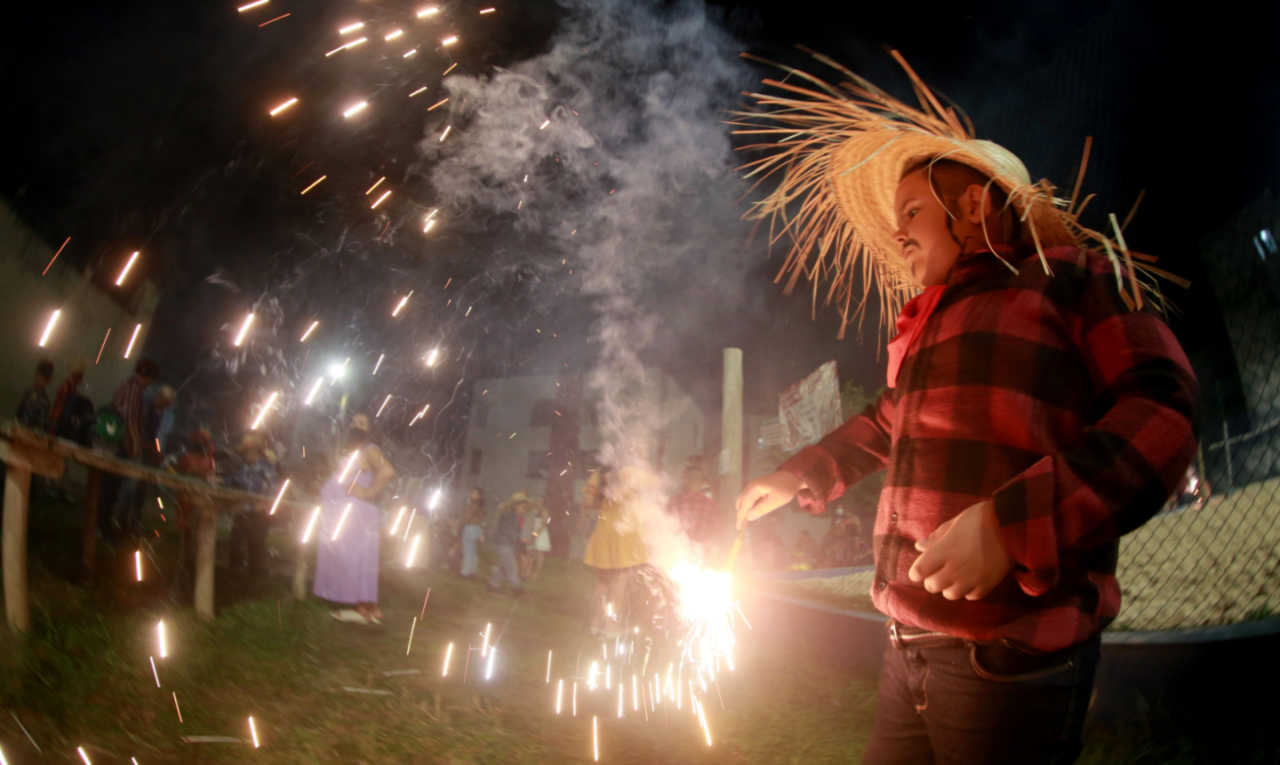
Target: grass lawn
x,y
81,677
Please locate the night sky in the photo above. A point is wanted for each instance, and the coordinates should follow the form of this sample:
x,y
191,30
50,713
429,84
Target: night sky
x,y
144,125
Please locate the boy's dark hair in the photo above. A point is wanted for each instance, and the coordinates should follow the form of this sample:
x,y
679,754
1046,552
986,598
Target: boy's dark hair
x,y
949,180
44,368
147,368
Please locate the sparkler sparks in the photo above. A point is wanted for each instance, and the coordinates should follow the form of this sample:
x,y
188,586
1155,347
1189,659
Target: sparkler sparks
x,y
177,708
375,185
488,671
244,330
137,563
311,525
487,11
450,40
355,109
559,694
448,654
635,693
132,339
283,488
413,551
428,11
310,329
352,27
314,390
283,106
544,124
548,667
484,645
154,673
412,625
385,401
161,643
262,413
55,256
419,91
400,306
341,520
409,524
80,749
381,356
433,356
595,740
133,258
452,66
272,21
620,694
421,413
48,327
346,46
314,183
409,53
393,35
253,732
399,517
380,199
251,6
575,698
445,134
434,502
437,104
702,719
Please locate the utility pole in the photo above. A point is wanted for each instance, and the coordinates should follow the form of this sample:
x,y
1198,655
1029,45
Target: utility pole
x,y
731,432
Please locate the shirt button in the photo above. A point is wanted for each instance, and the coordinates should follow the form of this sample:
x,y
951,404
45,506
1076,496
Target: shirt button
x,y
881,583
893,517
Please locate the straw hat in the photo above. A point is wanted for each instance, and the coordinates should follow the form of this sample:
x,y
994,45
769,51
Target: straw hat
x,y
519,498
838,154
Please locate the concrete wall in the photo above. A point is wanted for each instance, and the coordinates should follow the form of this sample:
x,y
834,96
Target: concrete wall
x,y
87,313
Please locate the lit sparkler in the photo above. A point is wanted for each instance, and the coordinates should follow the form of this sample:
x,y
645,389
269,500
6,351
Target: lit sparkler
x,y
283,106
355,109
137,563
399,517
127,266
345,46
161,643
311,525
314,390
48,327
413,551
385,401
341,520
251,6
382,198
262,413
314,183
279,496
352,27
448,654
244,330
132,339
253,732
310,329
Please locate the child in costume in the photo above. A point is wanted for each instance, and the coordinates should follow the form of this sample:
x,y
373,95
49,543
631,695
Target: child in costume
x,y
1037,409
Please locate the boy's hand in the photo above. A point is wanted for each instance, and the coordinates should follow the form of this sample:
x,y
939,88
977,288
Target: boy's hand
x,y
963,558
764,495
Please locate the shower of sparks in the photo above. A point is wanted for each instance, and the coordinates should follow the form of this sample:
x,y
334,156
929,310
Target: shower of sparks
x,y
177,708
253,732
421,413
381,356
419,91
352,27
345,46
154,673
393,34
399,517
487,11
133,258
279,496
281,107
559,694
55,256
544,124
448,654
452,66
484,645
400,306
80,749
102,347
409,53
380,199
575,698
430,10
310,329
137,563
413,511
595,740
311,525
413,551
48,327
244,330
375,185
262,413
351,462
702,718
311,396
314,183
412,625
450,40
132,339
161,643
433,356
548,667
385,401
355,109
437,104
251,6
341,520
445,134
272,21
488,671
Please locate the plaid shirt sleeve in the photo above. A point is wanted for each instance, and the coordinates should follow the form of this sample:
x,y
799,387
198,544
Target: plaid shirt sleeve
x,y
1128,461
844,456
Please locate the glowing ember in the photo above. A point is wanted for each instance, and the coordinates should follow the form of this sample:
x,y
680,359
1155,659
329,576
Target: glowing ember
x,y
437,104
488,672
548,668
355,109
314,390
559,694
484,646
154,673
450,40
381,356
595,739
419,91
177,708
400,306
351,461
393,35
380,199
445,134
412,625
409,53
345,46
80,749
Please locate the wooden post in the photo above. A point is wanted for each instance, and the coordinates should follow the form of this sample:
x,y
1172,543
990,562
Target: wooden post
x,y
17,490
731,433
89,533
206,539
300,573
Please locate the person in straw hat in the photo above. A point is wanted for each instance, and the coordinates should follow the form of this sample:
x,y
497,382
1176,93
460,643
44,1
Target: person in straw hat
x,y
506,538
1038,408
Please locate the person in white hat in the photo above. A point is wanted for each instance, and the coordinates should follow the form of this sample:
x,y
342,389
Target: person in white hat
x,y
1037,409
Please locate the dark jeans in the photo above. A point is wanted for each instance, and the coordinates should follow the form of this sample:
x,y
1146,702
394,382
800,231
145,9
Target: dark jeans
x,y
249,542
958,702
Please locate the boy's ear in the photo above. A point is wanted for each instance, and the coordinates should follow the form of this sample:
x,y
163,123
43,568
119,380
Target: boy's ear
x,y
971,204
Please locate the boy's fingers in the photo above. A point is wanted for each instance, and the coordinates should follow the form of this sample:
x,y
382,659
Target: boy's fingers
x,y
926,565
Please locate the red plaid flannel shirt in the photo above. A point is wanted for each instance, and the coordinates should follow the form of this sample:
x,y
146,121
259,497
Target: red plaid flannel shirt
x,y
1045,394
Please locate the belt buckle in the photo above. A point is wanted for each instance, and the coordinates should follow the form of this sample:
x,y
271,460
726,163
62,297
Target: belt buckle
x,y
894,638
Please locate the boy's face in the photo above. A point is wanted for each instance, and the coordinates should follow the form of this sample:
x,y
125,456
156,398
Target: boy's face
x,y
923,234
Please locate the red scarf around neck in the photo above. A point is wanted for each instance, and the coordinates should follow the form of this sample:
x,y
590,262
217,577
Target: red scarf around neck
x,y
910,321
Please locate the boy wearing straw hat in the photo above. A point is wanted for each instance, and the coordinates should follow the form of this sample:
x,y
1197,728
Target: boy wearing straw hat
x,y
1037,409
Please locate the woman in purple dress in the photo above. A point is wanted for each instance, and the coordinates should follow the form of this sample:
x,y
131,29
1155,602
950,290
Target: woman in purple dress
x,y
347,548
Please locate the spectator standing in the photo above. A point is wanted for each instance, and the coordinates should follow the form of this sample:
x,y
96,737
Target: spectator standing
x,y
505,539
538,540
33,408
472,533
66,392
257,474
129,404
